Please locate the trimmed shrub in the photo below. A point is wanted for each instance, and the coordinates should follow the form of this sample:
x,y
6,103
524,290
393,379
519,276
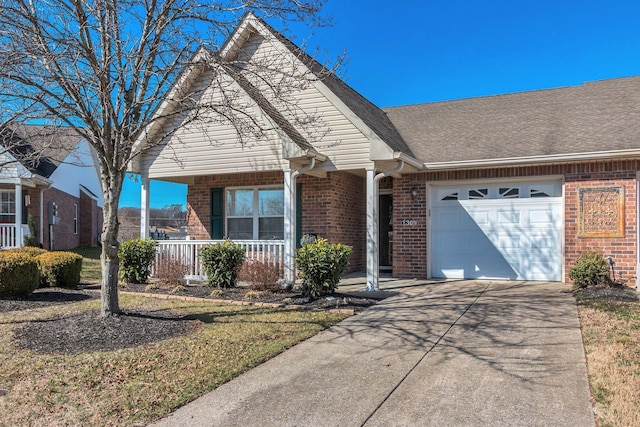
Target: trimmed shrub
x,y
28,250
590,269
19,275
136,257
59,269
261,275
221,263
321,264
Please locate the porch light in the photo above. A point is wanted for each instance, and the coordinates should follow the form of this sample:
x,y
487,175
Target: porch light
x,y
27,200
414,193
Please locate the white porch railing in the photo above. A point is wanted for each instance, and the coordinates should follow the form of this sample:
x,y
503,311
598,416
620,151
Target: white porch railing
x,y
186,251
7,236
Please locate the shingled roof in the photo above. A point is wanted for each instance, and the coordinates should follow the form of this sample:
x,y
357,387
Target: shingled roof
x,y
41,149
602,116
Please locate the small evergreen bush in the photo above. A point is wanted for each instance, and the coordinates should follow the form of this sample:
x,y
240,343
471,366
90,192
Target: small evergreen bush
x,y
59,269
19,275
221,263
590,269
136,257
32,240
321,264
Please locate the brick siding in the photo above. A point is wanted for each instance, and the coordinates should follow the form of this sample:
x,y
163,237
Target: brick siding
x,y
333,207
410,242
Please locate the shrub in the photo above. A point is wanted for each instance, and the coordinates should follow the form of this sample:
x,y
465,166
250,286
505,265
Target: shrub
x,y
321,264
261,275
308,239
221,263
170,271
29,251
136,257
32,240
19,275
590,269
59,269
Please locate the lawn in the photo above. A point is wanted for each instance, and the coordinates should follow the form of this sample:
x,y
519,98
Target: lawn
x,y
91,270
137,385
611,337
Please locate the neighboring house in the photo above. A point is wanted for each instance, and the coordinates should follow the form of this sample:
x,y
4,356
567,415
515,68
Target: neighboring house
x,y
49,174
503,187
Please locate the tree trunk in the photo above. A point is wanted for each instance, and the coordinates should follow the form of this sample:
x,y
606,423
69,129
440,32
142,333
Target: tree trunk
x,y
109,257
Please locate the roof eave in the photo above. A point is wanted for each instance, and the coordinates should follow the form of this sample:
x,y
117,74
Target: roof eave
x,y
554,158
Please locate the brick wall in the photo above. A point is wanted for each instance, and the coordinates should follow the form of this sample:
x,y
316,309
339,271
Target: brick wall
x,y
332,207
410,242
63,232
335,208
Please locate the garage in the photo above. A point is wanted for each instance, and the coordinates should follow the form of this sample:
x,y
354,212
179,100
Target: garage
x,y
497,231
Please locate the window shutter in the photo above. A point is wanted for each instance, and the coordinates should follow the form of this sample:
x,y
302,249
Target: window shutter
x,y
298,214
216,213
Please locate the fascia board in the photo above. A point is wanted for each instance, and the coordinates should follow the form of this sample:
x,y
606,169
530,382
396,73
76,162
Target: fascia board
x,y
556,158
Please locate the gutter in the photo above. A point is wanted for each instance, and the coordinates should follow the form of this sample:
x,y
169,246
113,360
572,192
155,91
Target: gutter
x,y
554,158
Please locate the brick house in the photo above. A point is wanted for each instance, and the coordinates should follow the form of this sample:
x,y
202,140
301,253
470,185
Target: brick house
x,y
50,175
504,187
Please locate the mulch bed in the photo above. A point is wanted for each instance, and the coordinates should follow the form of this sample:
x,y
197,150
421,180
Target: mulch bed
x,y
613,292
85,332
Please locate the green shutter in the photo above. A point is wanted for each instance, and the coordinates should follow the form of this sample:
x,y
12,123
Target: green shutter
x,y
298,214
216,213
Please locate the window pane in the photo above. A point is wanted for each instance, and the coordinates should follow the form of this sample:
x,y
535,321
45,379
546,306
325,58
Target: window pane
x,y
271,202
240,202
271,228
240,228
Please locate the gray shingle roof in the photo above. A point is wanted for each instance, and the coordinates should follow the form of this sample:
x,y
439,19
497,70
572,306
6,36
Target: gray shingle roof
x,y
41,149
594,117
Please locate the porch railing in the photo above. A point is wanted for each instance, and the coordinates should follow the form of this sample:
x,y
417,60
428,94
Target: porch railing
x,y
7,236
186,252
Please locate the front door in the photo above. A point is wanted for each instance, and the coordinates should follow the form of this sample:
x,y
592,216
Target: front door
x,y
385,229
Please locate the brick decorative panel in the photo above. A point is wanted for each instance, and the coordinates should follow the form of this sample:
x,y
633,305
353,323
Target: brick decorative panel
x,y
601,211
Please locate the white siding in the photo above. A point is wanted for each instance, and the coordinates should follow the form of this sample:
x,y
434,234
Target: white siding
x,y
332,133
210,145
78,168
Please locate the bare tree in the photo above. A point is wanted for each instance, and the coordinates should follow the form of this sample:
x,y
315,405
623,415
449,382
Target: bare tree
x,y
103,68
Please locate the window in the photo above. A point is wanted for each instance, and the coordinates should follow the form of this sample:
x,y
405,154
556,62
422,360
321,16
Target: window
x,y
7,206
75,218
509,192
255,213
479,193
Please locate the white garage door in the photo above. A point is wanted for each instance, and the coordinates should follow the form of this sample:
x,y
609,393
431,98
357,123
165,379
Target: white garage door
x,y
498,231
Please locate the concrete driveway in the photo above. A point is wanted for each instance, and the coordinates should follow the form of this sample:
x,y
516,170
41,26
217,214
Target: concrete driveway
x,y
455,353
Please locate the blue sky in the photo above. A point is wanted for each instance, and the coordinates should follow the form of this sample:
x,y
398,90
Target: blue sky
x,y
408,52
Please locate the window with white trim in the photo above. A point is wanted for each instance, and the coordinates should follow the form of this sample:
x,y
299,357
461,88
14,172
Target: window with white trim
x,y
255,213
7,206
75,218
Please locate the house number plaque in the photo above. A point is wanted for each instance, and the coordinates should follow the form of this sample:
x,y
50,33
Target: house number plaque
x,y
601,212
409,222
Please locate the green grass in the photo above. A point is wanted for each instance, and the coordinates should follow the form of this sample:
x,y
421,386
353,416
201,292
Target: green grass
x,y
91,270
138,385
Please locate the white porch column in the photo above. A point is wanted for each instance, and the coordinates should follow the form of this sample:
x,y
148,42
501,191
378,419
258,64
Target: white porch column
x,y
372,231
18,221
289,227
144,209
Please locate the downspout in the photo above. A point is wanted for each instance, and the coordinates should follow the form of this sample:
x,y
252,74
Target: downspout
x,y
290,221
373,256
41,237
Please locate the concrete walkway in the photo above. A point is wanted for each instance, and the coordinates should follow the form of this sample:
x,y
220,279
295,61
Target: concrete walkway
x,y
457,353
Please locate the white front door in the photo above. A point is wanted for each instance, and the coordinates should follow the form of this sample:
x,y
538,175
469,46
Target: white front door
x,y
497,231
